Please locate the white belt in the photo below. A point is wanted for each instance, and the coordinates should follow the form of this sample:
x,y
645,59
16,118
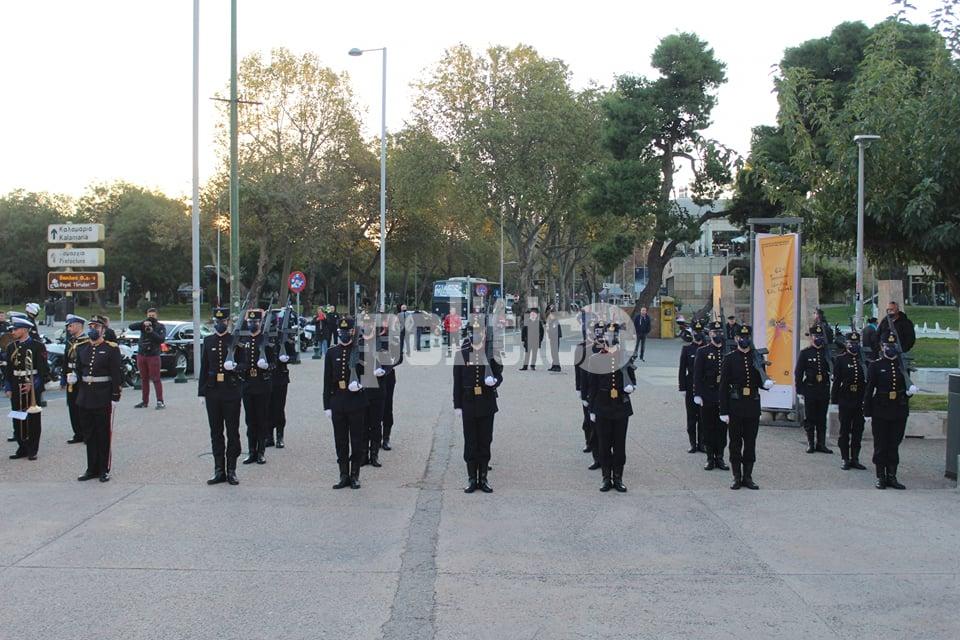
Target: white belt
x,y
90,380
25,373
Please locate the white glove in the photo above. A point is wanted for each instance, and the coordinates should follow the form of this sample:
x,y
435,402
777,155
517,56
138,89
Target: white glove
x,y
768,384
593,417
458,413
328,413
354,386
490,381
71,378
379,372
262,363
724,419
229,365
628,388
912,390
283,358
585,403
697,400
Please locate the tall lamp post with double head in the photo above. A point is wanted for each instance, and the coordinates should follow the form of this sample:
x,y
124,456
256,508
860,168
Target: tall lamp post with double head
x,y
861,141
383,174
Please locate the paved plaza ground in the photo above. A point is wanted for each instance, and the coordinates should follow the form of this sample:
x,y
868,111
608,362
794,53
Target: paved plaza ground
x,y
155,553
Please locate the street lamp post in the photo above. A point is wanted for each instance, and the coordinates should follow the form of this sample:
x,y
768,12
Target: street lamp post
x,y
383,174
195,191
861,141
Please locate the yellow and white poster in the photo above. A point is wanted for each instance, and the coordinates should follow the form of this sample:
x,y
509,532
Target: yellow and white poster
x,y
776,297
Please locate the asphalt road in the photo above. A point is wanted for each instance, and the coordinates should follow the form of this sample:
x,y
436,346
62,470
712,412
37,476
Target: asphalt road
x,y
155,553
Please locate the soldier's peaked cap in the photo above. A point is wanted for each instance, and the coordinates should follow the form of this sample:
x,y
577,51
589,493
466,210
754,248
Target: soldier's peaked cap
x,y
853,336
253,314
72,318
221,313
346,322
746,331
99,319
891,339
698,326
22,323
816,330
716,325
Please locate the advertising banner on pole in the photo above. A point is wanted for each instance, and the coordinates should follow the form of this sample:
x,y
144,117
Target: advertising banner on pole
x,y
776,291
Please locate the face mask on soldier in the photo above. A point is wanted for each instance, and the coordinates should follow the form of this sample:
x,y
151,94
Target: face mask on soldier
x,y
220,326
344,336
253,326
744,343
890,352
819,341
717,339
93,334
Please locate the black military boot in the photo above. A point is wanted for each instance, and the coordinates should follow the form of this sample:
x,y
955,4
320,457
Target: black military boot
x,y
355,476
280,444
892,478
219,474
471,477
386,444
855,458
822,440
737,478
344,476
845,465
260,451
618,480
881,482
748,477
855,464
720,464
711,462
607,484
811,447
269,442
594,466
693,445
232,472
482,483
251,451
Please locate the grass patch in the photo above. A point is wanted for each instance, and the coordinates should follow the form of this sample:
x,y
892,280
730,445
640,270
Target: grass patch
x,y
935,352
928,402
946,316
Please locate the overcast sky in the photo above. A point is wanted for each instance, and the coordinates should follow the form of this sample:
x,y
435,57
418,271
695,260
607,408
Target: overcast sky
x,y
100,90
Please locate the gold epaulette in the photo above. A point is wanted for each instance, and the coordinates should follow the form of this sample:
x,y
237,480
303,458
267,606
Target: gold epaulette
x,y
112,344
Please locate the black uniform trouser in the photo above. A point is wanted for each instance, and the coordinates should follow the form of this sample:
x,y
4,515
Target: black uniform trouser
x,y
694,432
743,442
530,354
95,428
612,440
278,409
223,415
815,418
389,383
590,435
73,412
851,431
714,431
887,436
477,438
256,414
373,424
348,437
27,432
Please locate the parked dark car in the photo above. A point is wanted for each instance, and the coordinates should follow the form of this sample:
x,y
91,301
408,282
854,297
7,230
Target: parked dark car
x,y
176,351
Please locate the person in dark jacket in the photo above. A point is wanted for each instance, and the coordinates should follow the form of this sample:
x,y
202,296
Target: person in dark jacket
x,y
99,378
285,350
706,395
219,390
688,356
641,326
532,324
254,361
900,325
870,340
152,335
344,402
581,377
849,384
26,369
68,374
812,379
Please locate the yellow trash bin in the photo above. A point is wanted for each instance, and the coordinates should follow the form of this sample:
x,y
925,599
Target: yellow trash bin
x,y
668,318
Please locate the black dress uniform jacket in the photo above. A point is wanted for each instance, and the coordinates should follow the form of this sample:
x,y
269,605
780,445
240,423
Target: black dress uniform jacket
x,y
337,375
98,367
885,393
214,377
706,373
849,381
740,385
470,393
249,351
606,396
688,357
812,373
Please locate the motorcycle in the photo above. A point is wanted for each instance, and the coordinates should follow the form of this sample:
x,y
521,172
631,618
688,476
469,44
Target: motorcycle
x,y
309,330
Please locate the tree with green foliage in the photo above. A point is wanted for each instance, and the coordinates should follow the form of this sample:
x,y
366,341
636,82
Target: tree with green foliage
x,y
650,125
23,262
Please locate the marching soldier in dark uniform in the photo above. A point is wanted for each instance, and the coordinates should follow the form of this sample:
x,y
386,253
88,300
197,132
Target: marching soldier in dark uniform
x,y
285,348
849,383
741,377
612,380
68,375
706,387
26,369
688,356
391,355
887,403
581,379
254,362
812,378
477,372
344,402
220,391
100,377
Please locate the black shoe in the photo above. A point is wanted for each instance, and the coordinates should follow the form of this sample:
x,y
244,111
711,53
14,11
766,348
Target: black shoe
x,y
219,477
160,405
855,464
105,477
533,367
588,449
893,483
232,478
722,465
250,459
260,458
811,448
736,484
374,461
386,445
822,448
555,367
87,475
17,456
75,440
711,465
693,449
606,486
11,439
618,485
269,442
523,368
280,444
33,457
594,466
483,485
140,405
471,486
344,482
354,482
880,483
845,465
749,483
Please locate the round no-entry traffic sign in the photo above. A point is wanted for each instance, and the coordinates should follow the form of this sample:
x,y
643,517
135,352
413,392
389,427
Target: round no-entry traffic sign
x,y
481,289
297,281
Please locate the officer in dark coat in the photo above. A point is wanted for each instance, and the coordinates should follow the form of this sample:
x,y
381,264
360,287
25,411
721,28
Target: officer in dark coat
x,y
742,376
254,360
100,378
612,380
812,378
285,348
344,402
26,369
220,391
584,350
477,373
390,355
887,403
688,356
531,335
68,373
849,383
706,387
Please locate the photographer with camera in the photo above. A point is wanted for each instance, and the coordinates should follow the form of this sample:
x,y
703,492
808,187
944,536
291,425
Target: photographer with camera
x,y
152,335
